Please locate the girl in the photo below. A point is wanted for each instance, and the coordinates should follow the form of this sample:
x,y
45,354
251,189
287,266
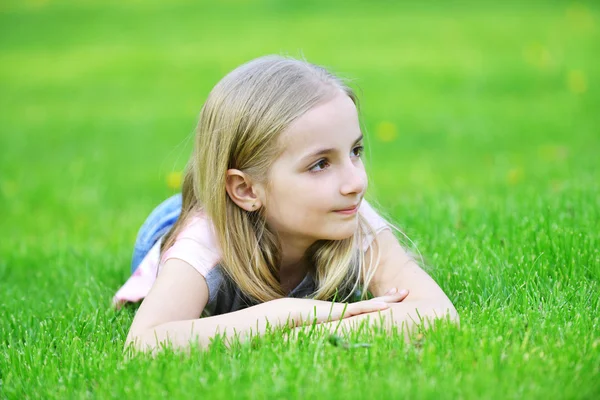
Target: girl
x,y
272,227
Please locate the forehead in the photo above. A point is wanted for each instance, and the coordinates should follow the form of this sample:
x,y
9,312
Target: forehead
x,y
331,124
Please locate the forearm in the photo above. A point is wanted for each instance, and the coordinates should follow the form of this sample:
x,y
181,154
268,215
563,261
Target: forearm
x,y
242,324
406,317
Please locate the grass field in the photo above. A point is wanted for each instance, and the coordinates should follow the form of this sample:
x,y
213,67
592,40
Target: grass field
x,y
483,129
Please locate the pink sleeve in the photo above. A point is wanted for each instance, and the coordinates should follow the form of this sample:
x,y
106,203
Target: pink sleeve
x,y
139,283
197,245
375,220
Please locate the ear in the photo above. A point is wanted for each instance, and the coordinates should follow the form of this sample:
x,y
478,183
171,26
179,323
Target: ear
x,y
241,190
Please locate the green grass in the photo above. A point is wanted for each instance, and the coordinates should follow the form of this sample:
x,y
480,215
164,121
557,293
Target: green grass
x,y
484,135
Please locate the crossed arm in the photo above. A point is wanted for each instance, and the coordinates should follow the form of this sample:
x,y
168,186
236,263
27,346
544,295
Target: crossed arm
x,y
425,302
405,317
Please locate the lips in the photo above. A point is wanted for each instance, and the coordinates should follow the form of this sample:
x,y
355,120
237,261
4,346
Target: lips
x,y
349,208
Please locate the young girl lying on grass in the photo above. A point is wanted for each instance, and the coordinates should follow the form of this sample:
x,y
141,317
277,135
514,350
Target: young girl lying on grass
x,y
272,227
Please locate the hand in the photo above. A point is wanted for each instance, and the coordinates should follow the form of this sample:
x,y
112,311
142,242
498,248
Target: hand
x,y
375,304
392,292
324,311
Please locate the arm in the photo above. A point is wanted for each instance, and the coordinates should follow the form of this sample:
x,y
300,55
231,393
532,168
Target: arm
x,y
396,269
243,324
170,312
407,317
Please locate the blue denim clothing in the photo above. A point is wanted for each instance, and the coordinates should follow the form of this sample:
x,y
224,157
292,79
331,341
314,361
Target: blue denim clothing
x,y
156,225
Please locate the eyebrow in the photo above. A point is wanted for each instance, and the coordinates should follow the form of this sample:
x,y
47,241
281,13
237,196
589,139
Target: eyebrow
x,y
327,151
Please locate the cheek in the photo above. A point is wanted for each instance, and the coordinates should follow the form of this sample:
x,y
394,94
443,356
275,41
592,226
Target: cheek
x,y
301,204
307,192
305,202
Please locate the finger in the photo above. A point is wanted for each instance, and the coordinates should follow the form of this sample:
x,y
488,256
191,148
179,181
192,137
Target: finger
x,y
393,298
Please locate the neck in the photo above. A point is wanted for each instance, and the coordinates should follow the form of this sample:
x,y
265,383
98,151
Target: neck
x,y
293,259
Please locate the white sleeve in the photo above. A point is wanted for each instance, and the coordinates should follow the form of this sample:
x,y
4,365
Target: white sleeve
x,y
375,220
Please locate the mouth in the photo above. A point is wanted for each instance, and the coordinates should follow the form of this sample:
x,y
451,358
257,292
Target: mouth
x,y
348,211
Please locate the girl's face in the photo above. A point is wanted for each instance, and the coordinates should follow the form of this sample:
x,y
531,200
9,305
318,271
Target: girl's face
x,y
319,173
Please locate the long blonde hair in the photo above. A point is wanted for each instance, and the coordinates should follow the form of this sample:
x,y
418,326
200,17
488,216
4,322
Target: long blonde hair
x,y
238,127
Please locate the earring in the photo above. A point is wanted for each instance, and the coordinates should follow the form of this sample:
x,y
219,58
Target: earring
x,y
253,205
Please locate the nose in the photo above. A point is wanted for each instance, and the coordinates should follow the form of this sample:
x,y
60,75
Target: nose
x,y
354,178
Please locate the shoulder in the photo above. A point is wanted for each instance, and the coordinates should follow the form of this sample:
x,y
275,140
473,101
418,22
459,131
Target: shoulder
x,y
397,267
196,244
376,223
374,219
200,229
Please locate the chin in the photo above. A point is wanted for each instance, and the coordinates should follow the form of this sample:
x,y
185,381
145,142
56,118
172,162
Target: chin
x,y
340,237
341,233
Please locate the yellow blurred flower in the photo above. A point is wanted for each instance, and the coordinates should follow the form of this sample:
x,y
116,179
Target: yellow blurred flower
x,y
174,180
515,175
386,131
577,81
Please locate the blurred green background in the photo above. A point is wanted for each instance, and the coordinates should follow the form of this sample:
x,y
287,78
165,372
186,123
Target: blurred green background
x,y
482,118
99,99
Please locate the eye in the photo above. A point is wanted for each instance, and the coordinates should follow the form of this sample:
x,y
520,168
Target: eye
x,y
358,150
322,163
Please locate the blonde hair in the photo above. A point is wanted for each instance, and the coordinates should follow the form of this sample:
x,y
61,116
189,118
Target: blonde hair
x,y
239,127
